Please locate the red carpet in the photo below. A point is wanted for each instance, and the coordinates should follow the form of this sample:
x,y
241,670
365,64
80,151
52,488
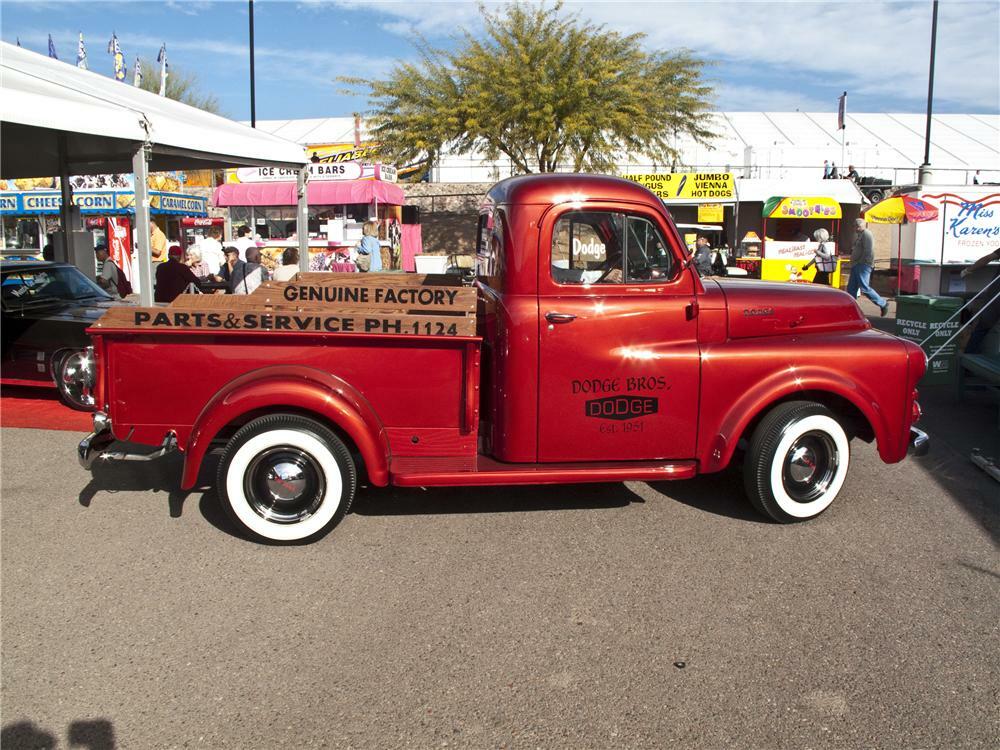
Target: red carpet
x,y
40,408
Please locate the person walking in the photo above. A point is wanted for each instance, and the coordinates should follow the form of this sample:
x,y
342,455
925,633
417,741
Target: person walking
x,y
862,261
824,258
826,169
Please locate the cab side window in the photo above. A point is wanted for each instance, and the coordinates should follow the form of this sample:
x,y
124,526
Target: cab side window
x,y
586,248
648,256
491,248
606,247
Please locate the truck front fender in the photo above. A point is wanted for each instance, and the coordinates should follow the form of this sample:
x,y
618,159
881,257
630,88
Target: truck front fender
x,y
722,437
298,388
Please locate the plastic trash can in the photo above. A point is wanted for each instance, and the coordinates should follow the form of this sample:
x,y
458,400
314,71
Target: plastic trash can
x,y
919,316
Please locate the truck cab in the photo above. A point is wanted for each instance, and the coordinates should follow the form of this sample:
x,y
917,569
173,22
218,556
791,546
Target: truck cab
x,y
590,316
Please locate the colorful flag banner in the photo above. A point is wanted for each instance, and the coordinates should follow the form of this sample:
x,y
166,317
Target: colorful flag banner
x,y
18,41
842,111
81,54
115,50
137,75
52,49
162,60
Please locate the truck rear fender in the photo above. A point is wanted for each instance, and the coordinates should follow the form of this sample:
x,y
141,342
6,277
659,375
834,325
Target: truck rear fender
x,y
300,389
848,399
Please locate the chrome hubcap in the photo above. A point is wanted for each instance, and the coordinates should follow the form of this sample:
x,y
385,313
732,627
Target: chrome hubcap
x,y
284,485
286,481
802,464
809,466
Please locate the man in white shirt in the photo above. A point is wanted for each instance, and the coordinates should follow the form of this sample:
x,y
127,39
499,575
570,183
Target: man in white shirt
x,y
243,241
211,251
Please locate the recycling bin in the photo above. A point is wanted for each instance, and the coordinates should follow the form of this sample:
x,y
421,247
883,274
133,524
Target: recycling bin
x,y
920,317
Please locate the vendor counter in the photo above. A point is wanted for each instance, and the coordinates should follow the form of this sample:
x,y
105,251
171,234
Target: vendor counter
x,y
785,269
785,260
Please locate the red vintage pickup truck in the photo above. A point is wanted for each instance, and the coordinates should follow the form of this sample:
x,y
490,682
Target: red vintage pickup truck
x,y
586,350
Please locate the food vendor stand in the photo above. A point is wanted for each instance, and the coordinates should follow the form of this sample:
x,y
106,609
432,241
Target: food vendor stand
x,y
793,220
19,207
341,198
933,253
704,199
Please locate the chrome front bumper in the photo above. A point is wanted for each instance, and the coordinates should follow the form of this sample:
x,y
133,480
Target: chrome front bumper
x,y
920,443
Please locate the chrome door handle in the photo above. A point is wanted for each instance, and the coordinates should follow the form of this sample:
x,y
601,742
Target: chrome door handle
x,y
558,317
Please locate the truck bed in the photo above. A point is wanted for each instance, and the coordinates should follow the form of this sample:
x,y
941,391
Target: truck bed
x,y
405,344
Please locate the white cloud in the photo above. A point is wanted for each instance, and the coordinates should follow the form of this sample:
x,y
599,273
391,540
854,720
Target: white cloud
x,y
867,48
314,66
737,98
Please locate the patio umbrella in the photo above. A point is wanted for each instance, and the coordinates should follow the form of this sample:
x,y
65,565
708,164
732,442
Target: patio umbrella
x,y
899,210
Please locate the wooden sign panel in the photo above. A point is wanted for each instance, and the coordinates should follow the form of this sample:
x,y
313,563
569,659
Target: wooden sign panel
x,y
410,304
328,321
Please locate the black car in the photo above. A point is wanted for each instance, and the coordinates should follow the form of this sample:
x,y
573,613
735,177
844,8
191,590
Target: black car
x,y
47,308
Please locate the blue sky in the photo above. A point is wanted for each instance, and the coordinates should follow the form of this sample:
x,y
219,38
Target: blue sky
x,y
769,56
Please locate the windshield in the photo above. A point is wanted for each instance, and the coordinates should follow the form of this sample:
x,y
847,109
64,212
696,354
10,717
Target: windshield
x,y
48,285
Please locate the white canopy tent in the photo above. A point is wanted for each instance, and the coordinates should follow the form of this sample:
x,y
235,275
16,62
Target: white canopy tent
x,y
57,119
756,190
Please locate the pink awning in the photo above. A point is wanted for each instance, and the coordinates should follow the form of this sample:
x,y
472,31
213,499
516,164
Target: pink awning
x,y
320,193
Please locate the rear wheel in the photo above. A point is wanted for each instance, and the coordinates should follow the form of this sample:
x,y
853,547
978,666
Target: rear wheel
x,y
797,462
287,479
75,376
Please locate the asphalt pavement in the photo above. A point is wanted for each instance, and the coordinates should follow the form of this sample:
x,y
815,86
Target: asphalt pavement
x,y
598,616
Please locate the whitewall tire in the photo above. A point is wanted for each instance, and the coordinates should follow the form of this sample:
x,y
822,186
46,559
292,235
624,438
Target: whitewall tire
x,y
284,478
797,462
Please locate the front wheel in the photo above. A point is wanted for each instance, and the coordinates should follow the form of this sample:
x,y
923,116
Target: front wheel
x,y
797,462
285,478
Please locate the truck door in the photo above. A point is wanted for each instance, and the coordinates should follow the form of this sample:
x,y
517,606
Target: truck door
x,y
619,365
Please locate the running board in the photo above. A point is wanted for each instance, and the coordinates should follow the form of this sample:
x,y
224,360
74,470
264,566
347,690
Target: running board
x,y
408,471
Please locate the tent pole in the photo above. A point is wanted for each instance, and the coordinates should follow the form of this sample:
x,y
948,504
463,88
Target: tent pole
x,y
302,218
145,257
66,209
899,260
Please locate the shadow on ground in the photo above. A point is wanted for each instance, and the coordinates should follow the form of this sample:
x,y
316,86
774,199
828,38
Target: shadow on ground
x,y
721,494
956,427
395,501
161,475
89,734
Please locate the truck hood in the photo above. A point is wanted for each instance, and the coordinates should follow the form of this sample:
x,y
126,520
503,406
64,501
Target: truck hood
x,y
761,308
